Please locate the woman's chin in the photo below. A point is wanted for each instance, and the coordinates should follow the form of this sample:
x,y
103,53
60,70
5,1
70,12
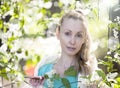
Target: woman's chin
x,y
71,53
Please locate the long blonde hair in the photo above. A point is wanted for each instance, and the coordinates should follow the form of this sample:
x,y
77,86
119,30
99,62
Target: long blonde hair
x,y
83,56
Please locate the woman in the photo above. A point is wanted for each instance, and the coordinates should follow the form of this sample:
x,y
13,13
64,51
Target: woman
x,y
72,32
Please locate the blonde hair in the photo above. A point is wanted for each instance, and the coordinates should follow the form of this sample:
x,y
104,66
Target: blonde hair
x,y
83,56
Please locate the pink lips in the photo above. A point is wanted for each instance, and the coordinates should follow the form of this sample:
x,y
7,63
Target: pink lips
x,y
71,48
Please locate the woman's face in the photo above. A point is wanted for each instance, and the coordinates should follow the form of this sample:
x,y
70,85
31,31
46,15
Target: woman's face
x,y
71,36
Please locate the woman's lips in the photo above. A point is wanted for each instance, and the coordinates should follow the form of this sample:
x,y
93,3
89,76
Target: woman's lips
x,y
71,48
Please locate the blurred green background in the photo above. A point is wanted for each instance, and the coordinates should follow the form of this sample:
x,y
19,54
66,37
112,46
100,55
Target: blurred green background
x,y
27,32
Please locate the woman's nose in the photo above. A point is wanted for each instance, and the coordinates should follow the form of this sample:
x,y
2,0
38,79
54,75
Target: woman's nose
x,y
72,40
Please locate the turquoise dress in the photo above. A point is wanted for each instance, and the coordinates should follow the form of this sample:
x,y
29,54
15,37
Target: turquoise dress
x,y
57,83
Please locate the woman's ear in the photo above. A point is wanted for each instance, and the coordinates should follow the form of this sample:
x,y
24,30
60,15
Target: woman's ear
x,y
58,32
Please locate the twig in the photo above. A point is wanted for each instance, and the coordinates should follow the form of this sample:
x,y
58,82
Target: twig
x,y
8,84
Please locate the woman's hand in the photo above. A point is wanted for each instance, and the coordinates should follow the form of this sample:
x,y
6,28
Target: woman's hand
x,y
36,81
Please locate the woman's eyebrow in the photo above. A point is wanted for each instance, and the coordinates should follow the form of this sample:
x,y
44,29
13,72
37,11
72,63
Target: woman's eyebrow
x,y
68,30
81,32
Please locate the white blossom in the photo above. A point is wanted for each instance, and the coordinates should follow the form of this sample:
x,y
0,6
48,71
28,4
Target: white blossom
x,y
3,48
50,82
48,5
115,32
117,56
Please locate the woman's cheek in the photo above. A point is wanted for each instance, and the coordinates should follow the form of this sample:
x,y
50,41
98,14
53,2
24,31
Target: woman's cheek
x,y
64,38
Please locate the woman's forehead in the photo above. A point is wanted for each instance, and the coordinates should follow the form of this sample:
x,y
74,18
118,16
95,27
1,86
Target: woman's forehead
x,y
72,21
71,24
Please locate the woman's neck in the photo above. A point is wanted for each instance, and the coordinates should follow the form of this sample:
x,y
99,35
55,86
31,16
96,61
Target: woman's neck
x,y
64,63
67,60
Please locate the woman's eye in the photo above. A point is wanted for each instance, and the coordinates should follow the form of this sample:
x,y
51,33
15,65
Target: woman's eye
x,y
67,33
79,35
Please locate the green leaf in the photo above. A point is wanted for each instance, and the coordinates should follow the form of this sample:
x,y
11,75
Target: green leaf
x,y
1,54
43,11
5,60
46,76
27,1
46,0
118,51
101,74
12,39
85,1
118,80
4,74
71,71
26,53
66,83
57,76
22,22
116,86
1,24
56,15
60,4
